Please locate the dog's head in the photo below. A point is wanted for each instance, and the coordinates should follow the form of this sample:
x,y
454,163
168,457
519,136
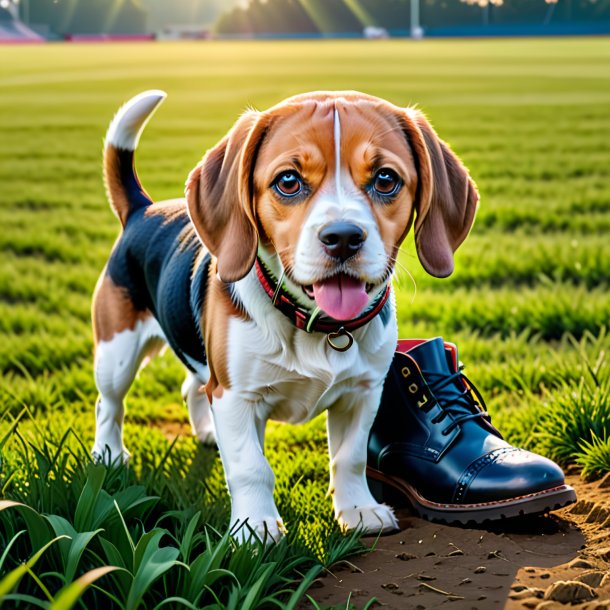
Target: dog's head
x,y
331,184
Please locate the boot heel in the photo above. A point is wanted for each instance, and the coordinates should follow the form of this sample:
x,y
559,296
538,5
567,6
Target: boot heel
x,y
387,494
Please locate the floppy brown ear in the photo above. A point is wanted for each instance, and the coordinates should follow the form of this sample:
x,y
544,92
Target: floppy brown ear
x,y
447,197
220,198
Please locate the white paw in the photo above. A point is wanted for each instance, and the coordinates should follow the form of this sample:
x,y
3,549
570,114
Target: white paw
x,y
372,520
249,530
206,435
109,456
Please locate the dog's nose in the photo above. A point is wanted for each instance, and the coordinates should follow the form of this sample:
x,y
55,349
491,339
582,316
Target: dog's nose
x,y
342,239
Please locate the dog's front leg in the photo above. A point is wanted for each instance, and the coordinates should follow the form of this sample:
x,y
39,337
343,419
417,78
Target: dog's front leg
x,y
247,471
349,422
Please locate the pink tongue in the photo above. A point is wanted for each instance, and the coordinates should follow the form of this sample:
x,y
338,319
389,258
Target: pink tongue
x,y
342,297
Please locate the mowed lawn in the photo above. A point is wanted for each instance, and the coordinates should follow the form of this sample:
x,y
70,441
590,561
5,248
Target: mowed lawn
x,y
527,304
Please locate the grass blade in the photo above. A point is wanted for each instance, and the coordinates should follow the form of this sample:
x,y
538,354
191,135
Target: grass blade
x,y
71,593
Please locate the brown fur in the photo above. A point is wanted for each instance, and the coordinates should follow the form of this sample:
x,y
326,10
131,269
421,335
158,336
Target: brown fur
x,y
447,201
113,310
115,189
299,140
218,310
114,185
219,196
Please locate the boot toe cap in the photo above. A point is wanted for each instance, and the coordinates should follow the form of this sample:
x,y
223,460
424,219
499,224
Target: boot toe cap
x,y
507,473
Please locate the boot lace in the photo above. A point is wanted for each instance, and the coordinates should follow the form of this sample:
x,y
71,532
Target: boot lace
x,y
467,405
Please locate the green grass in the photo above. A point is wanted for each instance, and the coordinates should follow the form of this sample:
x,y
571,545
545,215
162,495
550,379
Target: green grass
x,y
527,303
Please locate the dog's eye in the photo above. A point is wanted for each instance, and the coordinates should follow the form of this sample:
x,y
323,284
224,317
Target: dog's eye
x,y
288,184
386,182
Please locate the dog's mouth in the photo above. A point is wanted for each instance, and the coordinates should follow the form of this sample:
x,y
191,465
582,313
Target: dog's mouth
x,y
340,296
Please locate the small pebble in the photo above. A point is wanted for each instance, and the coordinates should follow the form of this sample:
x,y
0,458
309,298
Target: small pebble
x,y
405,556
480,570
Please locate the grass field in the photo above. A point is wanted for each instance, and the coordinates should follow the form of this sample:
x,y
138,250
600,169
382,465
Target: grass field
x,y
527,304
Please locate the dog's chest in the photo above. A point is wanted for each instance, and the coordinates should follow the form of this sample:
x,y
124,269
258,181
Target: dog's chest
x,y
296,381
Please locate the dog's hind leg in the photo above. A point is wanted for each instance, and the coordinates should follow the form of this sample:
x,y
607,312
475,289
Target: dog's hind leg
x,y
123,340
198,405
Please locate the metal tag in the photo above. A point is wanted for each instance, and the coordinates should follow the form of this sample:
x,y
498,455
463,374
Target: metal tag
x,y
341,340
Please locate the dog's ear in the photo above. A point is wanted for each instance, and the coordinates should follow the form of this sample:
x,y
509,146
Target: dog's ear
x,y
447,198
219,194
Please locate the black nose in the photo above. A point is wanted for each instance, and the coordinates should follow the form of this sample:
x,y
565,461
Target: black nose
x,y
342,239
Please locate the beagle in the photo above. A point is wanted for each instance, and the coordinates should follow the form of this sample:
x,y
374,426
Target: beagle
x,y
271,281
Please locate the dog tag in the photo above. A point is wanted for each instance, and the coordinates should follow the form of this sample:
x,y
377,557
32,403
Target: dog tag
x,y
340,341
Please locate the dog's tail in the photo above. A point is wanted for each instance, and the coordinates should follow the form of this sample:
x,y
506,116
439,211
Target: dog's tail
x,y
122,185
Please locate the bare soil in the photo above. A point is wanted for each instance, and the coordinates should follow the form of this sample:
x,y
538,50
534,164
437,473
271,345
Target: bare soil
x,y
548,562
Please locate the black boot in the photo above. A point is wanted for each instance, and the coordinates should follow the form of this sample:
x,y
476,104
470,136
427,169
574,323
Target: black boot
x,y
433,446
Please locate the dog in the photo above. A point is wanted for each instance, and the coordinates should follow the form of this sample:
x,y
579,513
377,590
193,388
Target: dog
x,y
271,282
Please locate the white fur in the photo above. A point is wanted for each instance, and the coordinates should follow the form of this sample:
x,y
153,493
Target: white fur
x,y
280,372
117,362
129,122
337,138
198,405
286,374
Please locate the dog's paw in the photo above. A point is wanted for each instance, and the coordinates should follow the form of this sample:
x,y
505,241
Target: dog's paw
x,y
206,435
267,531
371,520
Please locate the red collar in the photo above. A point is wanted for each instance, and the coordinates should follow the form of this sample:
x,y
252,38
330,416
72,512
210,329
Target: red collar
x,y
301,317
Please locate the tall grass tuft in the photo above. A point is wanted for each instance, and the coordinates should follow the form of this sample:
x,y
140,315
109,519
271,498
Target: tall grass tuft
x,y
568,419
75,533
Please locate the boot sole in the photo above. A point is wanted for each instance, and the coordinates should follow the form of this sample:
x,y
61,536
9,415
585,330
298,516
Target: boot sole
x,y
394,491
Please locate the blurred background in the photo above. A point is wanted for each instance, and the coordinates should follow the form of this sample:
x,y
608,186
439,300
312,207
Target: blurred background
x,y
56,19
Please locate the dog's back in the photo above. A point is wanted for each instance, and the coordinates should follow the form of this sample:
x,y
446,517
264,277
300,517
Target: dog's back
x,y
152,290
158,262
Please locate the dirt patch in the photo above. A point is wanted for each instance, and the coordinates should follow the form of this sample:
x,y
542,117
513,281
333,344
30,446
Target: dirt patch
x,y
542,563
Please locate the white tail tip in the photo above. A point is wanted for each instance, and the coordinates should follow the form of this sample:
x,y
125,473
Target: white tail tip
x,y
127,125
